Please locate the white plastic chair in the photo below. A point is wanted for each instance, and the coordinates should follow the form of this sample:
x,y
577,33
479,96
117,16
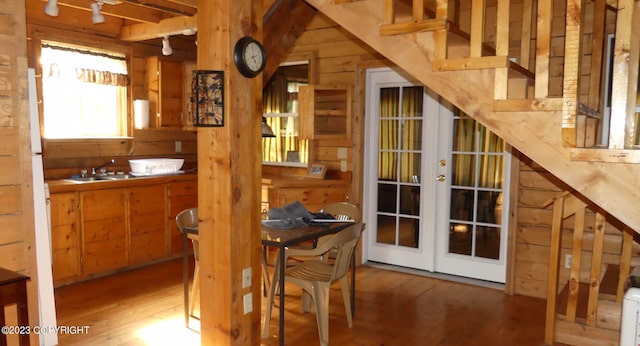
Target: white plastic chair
x,y
316,277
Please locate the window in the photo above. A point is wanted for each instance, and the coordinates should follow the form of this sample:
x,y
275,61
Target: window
x,y
280,108
84,92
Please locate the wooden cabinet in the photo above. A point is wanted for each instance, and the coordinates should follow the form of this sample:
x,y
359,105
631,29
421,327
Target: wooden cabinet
x,y
104,230
65,236
325,112
101,229
165,90
181,195
147,220
312,193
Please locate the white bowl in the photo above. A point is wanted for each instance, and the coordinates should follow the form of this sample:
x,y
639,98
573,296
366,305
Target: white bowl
x,y
155,166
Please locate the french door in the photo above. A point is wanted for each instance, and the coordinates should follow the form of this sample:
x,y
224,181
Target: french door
x,y
434,183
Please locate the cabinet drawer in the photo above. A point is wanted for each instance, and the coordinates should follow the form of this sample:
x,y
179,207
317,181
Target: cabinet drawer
x,y
312,198
183,188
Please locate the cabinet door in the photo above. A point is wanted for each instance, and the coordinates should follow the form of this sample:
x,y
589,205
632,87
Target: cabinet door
x,y
65,239
104,230
325,112
164,83
313,198
182,195
147,217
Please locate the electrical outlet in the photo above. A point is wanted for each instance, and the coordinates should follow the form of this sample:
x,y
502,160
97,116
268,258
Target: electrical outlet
x,y
343,165
178,146
246,277
567,261
247,300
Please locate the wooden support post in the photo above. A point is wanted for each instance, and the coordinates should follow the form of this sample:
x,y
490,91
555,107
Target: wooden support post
x,y
228,179
525,41
418,10
571,82
388,12
597,52
554,262
576,259
625,262
477,27
440,36
502,49
543,44
596,269
622,101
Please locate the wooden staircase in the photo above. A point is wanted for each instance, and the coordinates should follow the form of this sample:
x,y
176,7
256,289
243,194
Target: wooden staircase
x,y
515,95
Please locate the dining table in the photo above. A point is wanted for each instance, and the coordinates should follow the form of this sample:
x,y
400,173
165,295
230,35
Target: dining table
x,y
278,238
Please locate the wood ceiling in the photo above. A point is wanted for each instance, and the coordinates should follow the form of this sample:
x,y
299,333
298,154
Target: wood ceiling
x,y
144,19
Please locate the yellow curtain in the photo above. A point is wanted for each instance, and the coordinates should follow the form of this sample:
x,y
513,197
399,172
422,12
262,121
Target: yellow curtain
x,y
388,134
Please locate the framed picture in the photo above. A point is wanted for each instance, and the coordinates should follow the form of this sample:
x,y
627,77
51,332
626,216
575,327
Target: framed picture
x,y
317,171
207,98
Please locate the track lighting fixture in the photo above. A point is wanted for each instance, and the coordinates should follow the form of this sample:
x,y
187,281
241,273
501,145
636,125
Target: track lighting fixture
x,y
166,48
96,16
51,8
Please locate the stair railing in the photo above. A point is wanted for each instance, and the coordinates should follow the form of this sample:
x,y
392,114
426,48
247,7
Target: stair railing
x,y
574,306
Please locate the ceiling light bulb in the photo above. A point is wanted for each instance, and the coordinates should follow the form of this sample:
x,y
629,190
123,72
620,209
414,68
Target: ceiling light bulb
x,y
96,16
166,48
51,8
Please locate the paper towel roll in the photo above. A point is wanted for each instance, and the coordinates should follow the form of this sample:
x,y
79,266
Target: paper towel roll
x,y
141,113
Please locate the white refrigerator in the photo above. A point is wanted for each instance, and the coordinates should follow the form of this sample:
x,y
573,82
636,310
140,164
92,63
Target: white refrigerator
x,y
46,298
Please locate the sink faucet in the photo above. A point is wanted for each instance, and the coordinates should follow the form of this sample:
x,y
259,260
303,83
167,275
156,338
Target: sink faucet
x,y
110,162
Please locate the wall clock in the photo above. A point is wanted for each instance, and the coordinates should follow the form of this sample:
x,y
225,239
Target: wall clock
x,y
249,56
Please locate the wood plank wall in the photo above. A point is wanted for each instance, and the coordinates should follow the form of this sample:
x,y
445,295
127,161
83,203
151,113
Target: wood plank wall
x,y
17,243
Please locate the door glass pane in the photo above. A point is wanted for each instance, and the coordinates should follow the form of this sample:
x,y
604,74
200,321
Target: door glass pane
x,y
460,239
410,165
461,204
388,139
412,134
386,229
410,200
463,170
387,166
491,171
464,134
387,198
408,230
412,101
488,242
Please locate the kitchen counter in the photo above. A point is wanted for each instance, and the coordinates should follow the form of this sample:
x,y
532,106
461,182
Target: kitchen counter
x,y
64,185
299,181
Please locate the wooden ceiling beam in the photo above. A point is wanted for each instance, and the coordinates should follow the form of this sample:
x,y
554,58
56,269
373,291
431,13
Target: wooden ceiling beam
x,y
166,27
165,6
190,3
282,27
124,11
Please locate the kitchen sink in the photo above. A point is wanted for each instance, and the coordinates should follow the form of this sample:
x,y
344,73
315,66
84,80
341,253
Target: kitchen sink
x,y
82,179
99,178
116,177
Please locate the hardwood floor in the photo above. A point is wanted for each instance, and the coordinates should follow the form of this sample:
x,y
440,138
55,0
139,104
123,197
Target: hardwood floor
x,y
144,307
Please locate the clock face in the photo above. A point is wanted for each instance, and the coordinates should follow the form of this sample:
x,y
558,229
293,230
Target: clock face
x,y
253,57
249,57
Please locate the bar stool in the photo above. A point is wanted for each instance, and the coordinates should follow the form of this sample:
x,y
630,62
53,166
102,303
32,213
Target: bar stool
x,y
13,290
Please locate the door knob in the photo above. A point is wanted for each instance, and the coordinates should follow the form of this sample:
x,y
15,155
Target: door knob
x,y
440,177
